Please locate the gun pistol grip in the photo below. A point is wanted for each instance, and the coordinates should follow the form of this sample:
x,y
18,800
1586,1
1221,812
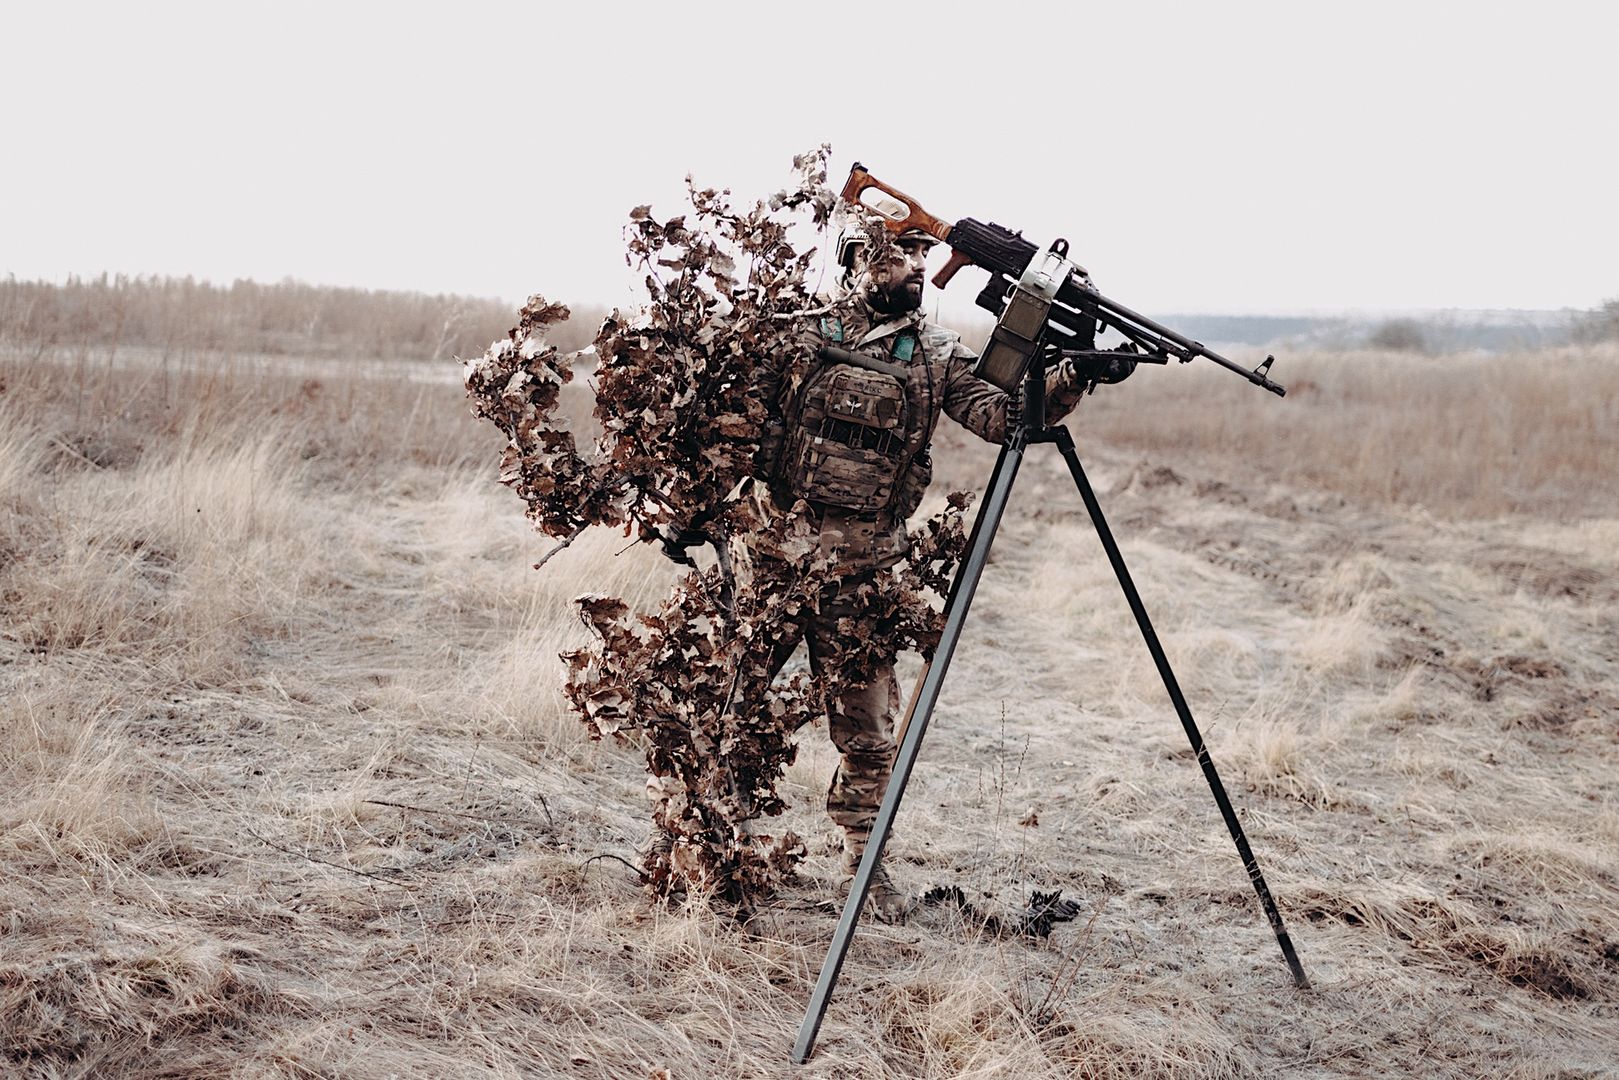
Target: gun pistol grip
x,y
948,270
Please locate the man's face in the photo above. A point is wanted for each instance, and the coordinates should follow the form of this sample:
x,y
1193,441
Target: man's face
x,y
897,280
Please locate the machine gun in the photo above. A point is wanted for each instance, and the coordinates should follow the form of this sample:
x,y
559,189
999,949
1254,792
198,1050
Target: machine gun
x,y
1053,302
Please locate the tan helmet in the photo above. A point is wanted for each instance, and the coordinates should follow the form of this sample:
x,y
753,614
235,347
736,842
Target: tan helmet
x,y
851,238
854,236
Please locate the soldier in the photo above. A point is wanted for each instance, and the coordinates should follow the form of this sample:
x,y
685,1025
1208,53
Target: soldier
x,y
849,441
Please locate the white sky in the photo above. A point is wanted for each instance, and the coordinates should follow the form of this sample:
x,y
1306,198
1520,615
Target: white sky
x,y
1217,157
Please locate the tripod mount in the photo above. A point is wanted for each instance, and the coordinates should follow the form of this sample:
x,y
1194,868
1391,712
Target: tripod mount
x,y
1019,340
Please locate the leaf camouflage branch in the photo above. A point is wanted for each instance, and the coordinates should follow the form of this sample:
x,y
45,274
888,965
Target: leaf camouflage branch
x,y
674,464
716,760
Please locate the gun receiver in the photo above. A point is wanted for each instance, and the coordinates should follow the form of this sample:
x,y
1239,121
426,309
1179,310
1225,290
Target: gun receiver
x,y
1078,310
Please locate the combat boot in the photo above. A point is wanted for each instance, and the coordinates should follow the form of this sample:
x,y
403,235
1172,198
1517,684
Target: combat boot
x,y
885,899
658,846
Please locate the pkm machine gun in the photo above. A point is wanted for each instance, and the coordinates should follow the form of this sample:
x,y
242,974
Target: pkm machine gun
x,y
1050,296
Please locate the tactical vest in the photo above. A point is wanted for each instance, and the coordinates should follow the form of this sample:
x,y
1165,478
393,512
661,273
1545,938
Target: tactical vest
x,y
847,445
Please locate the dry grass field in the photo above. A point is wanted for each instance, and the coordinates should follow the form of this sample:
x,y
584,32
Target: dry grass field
x,y
287,788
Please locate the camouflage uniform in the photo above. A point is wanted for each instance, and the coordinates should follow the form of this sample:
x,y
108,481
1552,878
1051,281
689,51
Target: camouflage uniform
x,y
937,378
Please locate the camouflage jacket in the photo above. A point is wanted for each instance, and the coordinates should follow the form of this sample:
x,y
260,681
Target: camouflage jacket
x,y
938,379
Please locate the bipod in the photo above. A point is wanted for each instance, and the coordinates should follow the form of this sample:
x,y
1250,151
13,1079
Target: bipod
x,y
1031,429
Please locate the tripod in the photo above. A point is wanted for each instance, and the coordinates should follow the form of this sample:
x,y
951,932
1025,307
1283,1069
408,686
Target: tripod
x,y
1031,428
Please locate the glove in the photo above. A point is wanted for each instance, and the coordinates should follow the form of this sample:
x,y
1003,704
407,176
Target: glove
x,y
1102,367
1088,368
675,544
674,547
676,538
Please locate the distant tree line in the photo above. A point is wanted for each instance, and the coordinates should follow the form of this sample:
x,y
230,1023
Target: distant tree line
x,y
1432,332
183,315
1599,325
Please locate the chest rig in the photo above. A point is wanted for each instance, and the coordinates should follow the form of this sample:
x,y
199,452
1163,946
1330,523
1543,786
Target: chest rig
x,y
848,445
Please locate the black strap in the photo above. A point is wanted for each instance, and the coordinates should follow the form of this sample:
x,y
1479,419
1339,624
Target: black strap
x,y
831,354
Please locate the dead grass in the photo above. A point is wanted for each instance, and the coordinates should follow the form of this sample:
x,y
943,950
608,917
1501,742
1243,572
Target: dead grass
x,y
175,317
1471,435
286,788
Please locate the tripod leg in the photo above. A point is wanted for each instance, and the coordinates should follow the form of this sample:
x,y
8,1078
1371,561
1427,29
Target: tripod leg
x,y
955,585
916,725
1065,443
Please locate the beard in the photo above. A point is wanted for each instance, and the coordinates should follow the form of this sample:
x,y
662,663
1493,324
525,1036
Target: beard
x,y
896,297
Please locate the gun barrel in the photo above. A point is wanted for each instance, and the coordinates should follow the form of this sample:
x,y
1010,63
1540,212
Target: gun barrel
x,y
1188,347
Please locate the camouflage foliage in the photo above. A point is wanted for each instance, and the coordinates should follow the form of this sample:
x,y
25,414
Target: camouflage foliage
x,y
680,431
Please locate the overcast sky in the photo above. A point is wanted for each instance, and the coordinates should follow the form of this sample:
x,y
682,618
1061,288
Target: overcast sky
x,y
1230,157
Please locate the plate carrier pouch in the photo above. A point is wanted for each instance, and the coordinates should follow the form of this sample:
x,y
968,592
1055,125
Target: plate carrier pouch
x,y
848,445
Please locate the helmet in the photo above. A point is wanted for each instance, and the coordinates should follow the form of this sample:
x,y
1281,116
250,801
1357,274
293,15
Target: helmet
x,y
851,238
928,239
854,236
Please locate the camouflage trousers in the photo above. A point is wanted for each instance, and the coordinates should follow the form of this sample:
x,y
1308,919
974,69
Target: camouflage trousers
x,y
860,716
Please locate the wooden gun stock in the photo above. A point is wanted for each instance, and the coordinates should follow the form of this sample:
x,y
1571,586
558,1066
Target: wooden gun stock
x,y
899,211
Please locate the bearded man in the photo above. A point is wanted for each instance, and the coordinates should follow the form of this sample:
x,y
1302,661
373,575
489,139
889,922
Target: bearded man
x,y
852,413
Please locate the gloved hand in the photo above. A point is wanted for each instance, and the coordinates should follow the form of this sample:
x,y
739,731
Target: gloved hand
x,y
677,537
1094,367
674,547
